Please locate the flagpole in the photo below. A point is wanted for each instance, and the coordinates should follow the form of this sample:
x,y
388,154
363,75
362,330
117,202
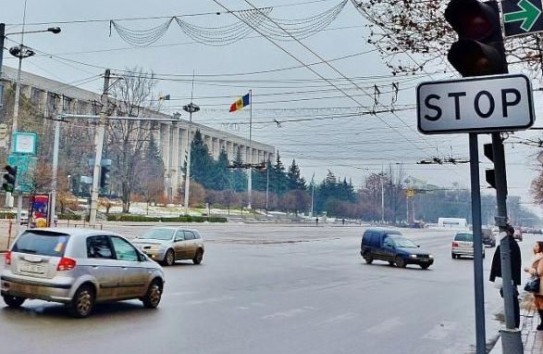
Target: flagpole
x,y
250,155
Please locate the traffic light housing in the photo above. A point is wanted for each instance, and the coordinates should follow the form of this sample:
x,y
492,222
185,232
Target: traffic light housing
x,y
490,174
104,177
10,178
479,50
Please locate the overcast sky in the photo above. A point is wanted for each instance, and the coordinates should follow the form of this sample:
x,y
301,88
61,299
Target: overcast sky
x,y
317,114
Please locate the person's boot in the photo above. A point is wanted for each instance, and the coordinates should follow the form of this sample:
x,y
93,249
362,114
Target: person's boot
x,y
540,326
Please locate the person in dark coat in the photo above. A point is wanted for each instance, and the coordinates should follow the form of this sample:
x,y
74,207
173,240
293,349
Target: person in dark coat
x,y
516,266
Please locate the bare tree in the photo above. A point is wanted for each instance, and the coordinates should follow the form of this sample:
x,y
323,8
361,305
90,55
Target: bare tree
x,y
127,138
413,36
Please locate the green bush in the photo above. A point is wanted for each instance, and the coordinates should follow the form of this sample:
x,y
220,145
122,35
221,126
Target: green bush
x,y
69,217
182,218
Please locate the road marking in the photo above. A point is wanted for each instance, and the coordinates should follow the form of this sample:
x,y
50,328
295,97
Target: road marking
x,y
385,326
339,318
289,313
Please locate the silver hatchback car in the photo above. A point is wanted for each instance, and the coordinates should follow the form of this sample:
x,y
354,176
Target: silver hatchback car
x,y
169,243
78,267
462,245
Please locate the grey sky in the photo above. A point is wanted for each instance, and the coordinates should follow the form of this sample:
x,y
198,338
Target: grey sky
x,y
323,115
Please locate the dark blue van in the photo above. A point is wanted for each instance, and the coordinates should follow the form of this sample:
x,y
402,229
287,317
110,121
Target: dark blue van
x,y
390,246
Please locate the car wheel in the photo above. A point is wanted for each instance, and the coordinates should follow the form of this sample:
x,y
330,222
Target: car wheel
x,y
153,296
424,265
453,256
391,263
368,258
198,257
169,258
13,301
83,302
400,263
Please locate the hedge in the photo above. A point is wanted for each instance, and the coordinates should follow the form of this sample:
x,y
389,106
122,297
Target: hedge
x,y
183,218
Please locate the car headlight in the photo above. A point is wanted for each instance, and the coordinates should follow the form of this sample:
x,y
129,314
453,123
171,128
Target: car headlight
x,y
412,256
430,256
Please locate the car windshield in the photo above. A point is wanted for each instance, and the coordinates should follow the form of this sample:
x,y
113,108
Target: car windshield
x,y
464,236
159,234
41,243
404,243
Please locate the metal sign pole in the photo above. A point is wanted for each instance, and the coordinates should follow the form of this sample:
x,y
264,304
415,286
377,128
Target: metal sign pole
x,y
477,245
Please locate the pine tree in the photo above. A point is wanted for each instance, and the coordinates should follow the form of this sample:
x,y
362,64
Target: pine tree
x,y
294,180
239,178
222,176
201,162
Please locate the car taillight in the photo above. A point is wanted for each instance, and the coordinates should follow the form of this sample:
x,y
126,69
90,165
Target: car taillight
x,y
455,244
66,263
7,258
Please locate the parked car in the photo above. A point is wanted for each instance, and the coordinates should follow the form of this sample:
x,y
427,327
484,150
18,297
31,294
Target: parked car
x,y
489,239
169,244
390,246
24,217
462,245
78,267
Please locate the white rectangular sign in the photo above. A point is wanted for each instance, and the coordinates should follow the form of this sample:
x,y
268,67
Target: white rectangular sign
x,y
483,104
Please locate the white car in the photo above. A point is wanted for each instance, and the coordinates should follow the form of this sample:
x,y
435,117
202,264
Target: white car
x,y
462,245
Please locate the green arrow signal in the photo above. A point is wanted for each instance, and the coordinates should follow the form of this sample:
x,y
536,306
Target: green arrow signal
x,y
528,15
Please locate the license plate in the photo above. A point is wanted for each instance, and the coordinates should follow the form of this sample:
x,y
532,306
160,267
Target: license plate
x,y
32,268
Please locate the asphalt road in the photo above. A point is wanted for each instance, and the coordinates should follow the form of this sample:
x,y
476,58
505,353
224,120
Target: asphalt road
x,y
274,289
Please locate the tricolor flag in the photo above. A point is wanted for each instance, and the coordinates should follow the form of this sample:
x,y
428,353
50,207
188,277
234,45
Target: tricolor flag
x,y
241,102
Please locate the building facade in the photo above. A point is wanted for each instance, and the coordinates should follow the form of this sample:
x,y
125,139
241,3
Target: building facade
x,y
172,135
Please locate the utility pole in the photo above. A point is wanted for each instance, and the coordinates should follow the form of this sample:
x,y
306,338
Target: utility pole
x,y
99,144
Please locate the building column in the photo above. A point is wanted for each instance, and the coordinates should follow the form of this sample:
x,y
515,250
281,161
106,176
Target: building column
x,y
165,148
174,168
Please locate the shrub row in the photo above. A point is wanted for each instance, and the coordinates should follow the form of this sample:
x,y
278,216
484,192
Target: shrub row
x,y
183,218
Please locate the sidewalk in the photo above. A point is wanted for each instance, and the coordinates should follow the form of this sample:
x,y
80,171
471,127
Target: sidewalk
x,y
531,337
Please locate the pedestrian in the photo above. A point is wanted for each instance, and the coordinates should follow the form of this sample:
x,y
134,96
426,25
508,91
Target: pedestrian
x,y
536,269
516,266
317,221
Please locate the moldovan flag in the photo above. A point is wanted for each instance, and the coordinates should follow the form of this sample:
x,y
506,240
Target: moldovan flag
x,y
240,103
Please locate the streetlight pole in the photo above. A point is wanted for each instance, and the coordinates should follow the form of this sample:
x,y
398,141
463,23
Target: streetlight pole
x,y
190,108
99,146
21,51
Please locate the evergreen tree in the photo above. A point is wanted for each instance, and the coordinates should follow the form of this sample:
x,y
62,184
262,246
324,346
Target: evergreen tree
x,y
222,176
201,164
278,179
239,176
260,177
294,180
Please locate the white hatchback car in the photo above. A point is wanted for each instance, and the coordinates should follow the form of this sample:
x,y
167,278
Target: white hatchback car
x,y
78,267
462,245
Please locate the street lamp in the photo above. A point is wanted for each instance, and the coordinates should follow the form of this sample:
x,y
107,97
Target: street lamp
x,y
21,51
190,108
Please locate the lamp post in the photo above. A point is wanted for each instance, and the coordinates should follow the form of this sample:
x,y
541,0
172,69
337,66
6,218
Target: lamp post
x,y
190,108
21,51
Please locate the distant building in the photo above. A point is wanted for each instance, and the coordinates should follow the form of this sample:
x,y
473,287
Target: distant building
x,y
53,97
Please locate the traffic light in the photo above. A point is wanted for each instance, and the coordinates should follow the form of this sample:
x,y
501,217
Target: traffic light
x,y
479,49
104,177
10,176
490,174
